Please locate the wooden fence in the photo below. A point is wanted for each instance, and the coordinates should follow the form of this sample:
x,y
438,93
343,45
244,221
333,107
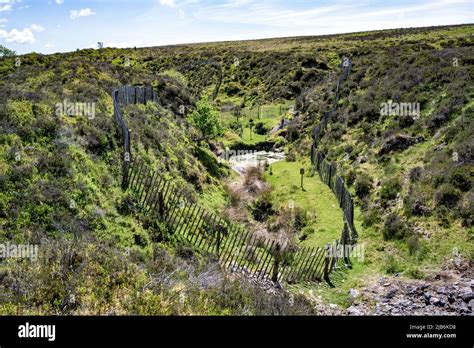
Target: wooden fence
x,y
328,172
234,247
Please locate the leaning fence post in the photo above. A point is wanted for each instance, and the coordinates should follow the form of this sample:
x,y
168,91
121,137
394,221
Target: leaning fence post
x,y
218,241
125,170
345,245
276,263
326,262
126,161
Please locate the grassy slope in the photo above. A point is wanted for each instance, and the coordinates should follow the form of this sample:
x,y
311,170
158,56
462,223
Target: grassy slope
x,y
317,200
64,158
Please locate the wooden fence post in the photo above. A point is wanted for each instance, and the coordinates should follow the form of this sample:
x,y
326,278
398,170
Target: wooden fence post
x,y
326,262
345,245
218,241
276,263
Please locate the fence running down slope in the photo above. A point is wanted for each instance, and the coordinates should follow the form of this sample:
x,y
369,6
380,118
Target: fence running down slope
x,y
234,247
327,171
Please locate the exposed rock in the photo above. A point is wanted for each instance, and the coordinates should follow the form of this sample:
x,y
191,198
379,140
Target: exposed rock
x,y
391,293
354,310
398,143
353,293
467,295
427,297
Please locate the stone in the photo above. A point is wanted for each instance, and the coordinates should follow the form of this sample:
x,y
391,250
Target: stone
x,y
450,297
435,301
353,293
427,297
353,310
391,293
399,142
467,296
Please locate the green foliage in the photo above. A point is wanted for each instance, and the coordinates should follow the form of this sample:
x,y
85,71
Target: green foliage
x,y
462,177
447,196
391,265
390,189
5,52
371,217
363,185
260,128
395,228
262,207
177,76
206,119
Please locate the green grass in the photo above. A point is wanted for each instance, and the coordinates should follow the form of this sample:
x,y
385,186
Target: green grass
x,y
317,199
270,116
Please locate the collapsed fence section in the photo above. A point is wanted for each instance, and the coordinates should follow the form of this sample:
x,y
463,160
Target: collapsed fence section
x,y
235,248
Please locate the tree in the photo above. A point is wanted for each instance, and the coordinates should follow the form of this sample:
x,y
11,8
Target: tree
x,y
206,119
5,52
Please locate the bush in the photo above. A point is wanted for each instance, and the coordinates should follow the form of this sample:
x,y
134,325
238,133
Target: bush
x,y
260,128
466,206
371,217
413,244
395,228
350,177
461,177
236,126
415,273
262,208
447,195
391,265
390,189
300,219
363,185
416,174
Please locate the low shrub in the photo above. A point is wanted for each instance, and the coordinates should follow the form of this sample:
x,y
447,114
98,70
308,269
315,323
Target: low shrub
x,y
260,128
391,265
390,189
363,185
461,177
395,228
447,195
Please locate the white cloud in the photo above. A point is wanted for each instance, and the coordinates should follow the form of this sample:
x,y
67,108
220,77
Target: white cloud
x,y
59,2
2,22
81,13
24,36
6,5
4,8
169,3
36,27
50,44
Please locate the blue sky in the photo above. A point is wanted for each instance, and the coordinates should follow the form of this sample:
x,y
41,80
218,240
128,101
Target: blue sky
x,y
48,26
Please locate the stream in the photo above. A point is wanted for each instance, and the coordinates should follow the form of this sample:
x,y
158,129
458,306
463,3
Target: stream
x,y
242,159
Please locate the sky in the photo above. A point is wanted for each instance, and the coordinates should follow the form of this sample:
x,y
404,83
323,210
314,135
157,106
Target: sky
x,y
48,26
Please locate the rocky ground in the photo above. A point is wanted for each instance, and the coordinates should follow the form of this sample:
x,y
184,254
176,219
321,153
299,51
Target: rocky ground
x,y
448,291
